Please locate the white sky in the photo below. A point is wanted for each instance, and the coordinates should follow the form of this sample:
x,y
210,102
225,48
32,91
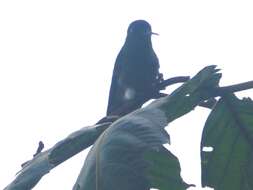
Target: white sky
x,y
56,61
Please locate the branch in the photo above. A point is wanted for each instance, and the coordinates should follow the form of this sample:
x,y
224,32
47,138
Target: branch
x,y
172,81
41,164
220,91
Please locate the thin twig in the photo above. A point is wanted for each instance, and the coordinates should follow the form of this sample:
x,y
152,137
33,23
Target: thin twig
x,y
39,149
171,81
219,91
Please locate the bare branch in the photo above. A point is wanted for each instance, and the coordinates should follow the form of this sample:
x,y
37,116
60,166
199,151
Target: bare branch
x,y
219,91
172,81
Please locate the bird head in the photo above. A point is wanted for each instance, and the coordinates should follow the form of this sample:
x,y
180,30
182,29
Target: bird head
x,y
140,29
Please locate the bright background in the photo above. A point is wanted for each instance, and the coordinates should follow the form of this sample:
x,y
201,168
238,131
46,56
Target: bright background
x,y
56,61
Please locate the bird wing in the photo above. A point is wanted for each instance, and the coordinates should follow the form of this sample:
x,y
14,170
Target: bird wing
x,y
114,95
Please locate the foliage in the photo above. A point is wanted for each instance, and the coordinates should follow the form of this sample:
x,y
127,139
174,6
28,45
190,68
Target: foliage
x,y
129,153
229,133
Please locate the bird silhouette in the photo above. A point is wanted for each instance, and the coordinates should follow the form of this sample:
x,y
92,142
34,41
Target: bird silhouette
x,y
136,71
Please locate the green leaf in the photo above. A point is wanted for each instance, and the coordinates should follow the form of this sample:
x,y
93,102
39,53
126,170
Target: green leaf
x,y
164,171
129,156
228,134
190,94
116,161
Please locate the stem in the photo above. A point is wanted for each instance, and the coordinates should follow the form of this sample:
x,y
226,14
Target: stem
x,y
171,81
219,91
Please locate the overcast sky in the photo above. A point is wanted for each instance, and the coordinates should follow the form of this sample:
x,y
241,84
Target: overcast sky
x,y
56,61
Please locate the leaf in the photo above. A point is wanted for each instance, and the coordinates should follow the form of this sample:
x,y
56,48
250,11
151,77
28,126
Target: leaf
x,y
164,172
228,134
190,94
123,157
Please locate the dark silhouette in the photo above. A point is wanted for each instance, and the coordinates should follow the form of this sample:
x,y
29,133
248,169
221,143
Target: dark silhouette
x,y
39,149
136,71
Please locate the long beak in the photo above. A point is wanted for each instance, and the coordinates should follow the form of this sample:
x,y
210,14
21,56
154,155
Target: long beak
x,y
153,33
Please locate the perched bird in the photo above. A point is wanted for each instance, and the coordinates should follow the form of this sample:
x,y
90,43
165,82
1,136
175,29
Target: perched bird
x,y
136,71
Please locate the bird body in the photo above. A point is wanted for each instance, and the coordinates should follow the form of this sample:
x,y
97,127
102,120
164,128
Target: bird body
x,y
136,71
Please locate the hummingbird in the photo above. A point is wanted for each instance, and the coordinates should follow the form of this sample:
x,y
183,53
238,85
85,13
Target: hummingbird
x,y
136,71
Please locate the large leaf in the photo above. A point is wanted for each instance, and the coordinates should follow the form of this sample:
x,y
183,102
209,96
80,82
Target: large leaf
x,y
227,145
129,154
123,157
164,172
